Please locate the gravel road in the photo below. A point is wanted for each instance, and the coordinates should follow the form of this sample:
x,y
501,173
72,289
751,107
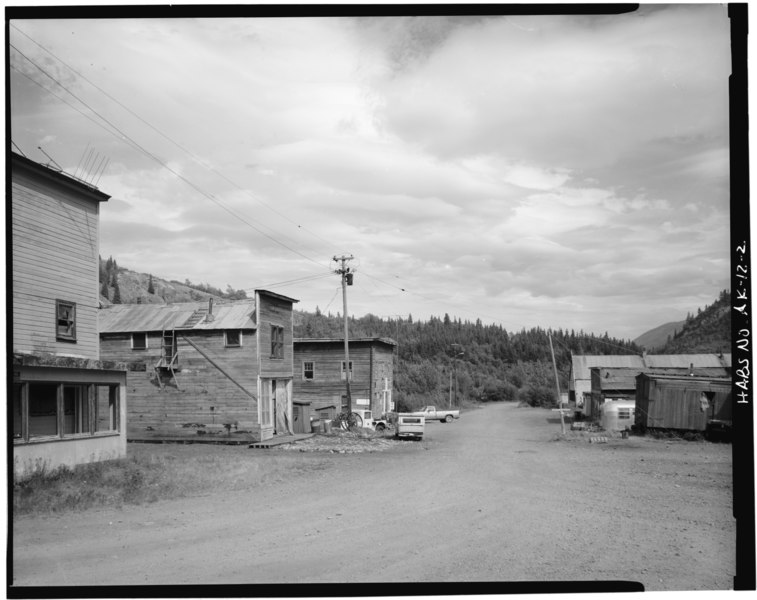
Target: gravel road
x,y
491,497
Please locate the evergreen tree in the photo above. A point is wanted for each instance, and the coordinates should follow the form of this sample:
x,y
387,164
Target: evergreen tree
x,y
150,287
104,289
116,290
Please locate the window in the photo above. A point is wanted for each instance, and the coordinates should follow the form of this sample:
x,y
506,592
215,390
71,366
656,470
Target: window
x,y
233,339
139,341
308,370
75,409
277,341
64,410
106,405
65,321
265,403
43,409
343,367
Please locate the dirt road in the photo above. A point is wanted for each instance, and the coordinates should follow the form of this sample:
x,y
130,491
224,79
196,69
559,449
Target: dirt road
x,y
491,497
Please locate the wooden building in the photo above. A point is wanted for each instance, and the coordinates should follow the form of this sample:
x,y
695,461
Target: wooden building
x,y
68,406
685,403
586,399
205,365
321,373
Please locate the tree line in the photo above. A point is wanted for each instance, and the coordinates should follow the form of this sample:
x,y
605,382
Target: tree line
x,y
447,361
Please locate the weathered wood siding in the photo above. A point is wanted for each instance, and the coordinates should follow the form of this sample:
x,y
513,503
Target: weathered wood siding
x,y
274,311
677,404
204,395
370,364
55,256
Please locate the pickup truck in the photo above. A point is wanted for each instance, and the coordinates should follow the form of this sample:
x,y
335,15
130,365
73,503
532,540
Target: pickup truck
x,y
431,414
409,426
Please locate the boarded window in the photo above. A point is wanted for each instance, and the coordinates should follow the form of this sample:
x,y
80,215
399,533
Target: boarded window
x,y
138,341
308,370
233,339
277,341
65,321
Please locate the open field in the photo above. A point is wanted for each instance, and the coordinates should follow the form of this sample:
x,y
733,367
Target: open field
x,y
497,496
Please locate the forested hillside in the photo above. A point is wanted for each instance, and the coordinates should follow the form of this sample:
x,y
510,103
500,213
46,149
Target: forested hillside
x,y
122,286
707,331
473,361
489,362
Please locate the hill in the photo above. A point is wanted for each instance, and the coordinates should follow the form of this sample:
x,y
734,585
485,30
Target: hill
x,y
707,331
656,338
123,286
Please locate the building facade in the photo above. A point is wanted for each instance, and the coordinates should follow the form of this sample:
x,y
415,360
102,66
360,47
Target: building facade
x,y
321,373
68,406
196,366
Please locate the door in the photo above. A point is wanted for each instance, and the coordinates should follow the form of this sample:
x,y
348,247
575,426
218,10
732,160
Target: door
x,y
281,418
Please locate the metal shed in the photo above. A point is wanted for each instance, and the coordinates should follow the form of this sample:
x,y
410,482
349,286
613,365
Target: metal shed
x,y
681,402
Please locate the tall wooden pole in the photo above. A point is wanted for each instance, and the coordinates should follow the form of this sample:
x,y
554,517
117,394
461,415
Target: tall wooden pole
x,y
343,271
557,383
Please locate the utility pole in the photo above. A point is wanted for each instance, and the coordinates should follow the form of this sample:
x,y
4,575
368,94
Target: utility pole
x,y
344,271
454,369
557,383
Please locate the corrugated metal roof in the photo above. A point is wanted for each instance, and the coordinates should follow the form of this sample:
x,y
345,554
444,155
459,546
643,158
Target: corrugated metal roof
x,y
582,364
128,318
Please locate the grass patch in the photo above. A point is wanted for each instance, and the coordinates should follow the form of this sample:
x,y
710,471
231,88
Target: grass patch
x,y
153,472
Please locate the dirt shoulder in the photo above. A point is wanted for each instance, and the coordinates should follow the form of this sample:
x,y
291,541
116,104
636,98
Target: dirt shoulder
x,y
496,496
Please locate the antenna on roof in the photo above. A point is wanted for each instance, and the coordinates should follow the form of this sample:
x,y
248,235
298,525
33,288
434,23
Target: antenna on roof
x,y
49,157
79,166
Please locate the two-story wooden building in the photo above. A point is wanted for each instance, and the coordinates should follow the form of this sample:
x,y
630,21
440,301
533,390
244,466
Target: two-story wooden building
x,y
195,365
68,406
321,372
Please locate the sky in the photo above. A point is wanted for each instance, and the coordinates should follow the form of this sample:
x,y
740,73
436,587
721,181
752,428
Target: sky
x,y
563,171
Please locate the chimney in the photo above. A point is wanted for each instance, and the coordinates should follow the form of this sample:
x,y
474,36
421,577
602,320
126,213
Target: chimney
x,y
209,317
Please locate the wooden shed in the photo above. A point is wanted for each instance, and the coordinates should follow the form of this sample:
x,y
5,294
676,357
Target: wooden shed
x,y
681,402
320,374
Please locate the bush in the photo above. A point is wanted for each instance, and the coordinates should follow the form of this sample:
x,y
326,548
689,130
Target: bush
x,y
538,396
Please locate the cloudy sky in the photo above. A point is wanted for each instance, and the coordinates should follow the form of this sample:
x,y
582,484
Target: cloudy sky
x,y
555,171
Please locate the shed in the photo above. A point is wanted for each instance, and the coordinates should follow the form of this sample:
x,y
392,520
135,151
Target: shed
x,y
322,373
685,403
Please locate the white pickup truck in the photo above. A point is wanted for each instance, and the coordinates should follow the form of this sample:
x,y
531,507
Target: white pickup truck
x,y
409,426
432,414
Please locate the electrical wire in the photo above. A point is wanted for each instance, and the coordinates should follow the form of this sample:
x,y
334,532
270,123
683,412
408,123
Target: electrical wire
x,y
168,138
124,136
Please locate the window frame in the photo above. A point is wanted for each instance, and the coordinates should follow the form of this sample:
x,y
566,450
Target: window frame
x,y
85,411
277,341
305,370
352,374
69,336
228,344
266,405
135,347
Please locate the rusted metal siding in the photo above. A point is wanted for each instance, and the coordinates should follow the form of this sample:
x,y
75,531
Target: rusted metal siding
x,y
55,241
677,403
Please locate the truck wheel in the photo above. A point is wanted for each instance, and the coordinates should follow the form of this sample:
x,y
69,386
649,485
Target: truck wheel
x,y
380,427
448,419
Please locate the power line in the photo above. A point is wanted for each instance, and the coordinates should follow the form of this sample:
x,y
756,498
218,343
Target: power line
x,y
168,138
147,153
